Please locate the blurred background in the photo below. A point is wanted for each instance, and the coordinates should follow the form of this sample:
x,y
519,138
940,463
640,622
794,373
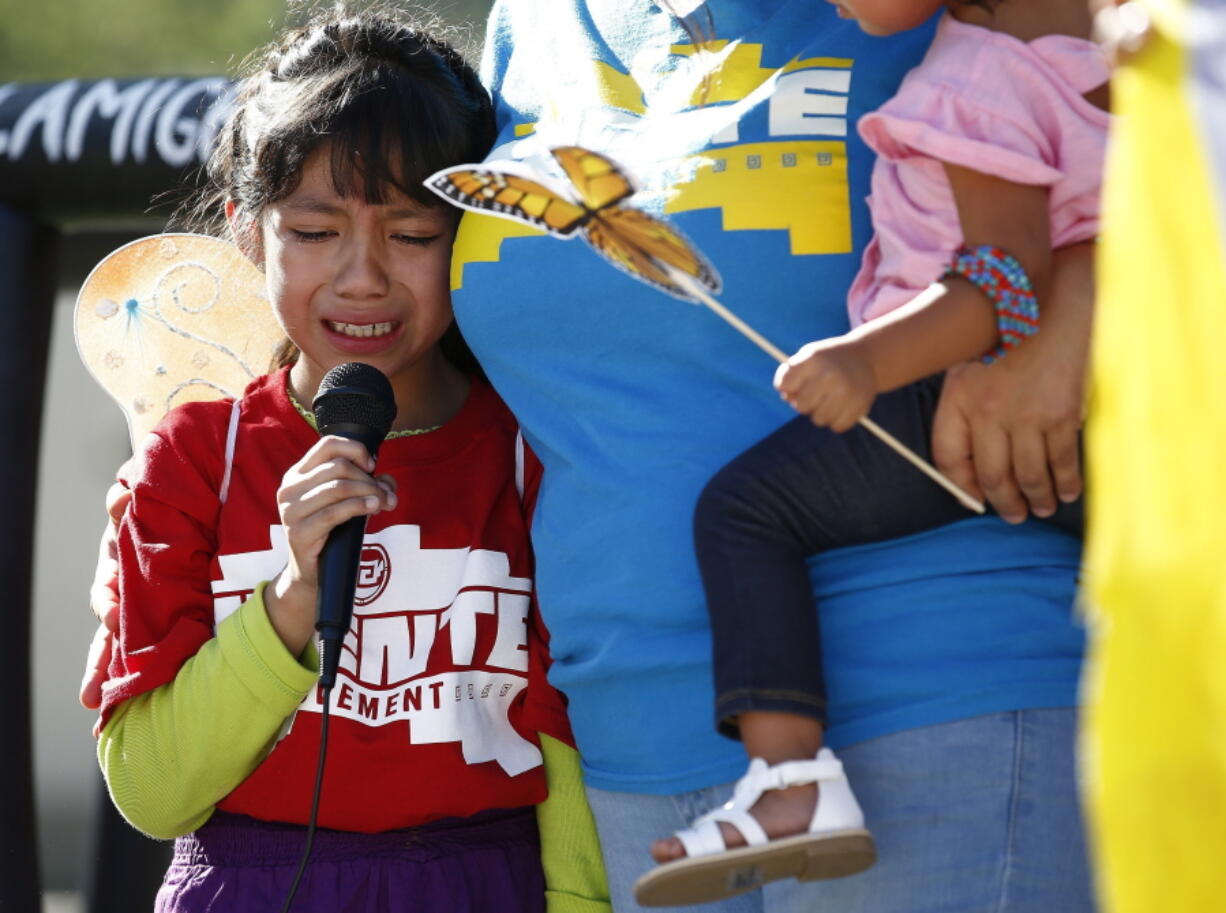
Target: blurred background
x,y
63,39
83,437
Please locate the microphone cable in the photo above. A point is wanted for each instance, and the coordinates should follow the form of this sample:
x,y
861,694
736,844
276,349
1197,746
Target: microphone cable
x,y
355,401
319,782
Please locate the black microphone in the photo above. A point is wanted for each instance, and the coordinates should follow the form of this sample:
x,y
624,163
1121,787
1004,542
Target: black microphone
x,y
355,401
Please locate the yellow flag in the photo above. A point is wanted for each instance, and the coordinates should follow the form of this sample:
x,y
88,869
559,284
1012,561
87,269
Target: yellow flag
x,y
1155,746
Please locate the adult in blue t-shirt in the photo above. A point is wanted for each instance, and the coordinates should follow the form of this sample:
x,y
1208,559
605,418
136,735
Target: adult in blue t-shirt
x,y
952,657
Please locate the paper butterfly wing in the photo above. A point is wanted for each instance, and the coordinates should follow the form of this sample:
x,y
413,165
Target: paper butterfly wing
x,y
627,237
501,192
639,243
170,319
598,181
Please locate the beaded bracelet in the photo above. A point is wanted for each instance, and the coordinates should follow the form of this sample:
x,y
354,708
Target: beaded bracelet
x,y
999,276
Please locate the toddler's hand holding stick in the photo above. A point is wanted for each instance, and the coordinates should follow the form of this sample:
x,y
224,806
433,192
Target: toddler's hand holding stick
x,y
701,294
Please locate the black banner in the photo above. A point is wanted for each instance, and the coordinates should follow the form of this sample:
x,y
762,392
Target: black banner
x,y
106,147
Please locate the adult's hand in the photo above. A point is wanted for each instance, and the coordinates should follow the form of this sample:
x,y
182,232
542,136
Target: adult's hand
x,y
1009,431
104,600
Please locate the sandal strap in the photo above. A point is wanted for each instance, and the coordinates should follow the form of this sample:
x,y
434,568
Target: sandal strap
x,y
703,839
739,818
706,838
836,808
762,777
798,773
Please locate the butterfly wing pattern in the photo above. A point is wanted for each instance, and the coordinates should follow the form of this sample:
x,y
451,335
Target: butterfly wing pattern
x,y
511,195
597,180
640,244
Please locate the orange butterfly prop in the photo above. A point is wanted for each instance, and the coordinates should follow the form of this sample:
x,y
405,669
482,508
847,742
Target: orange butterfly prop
x,y
642,245
645,247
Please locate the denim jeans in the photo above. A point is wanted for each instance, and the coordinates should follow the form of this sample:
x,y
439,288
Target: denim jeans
x,y
797,492
975,816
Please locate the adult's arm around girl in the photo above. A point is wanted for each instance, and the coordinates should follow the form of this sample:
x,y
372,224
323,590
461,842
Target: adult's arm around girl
x,y
171,754
104,600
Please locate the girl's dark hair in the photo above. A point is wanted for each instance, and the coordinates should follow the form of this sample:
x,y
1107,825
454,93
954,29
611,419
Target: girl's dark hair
x,y
392,104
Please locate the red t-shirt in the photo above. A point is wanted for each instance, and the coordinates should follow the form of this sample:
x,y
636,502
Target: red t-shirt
x,y
441,687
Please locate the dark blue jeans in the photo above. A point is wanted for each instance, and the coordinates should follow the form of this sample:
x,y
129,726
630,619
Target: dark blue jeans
x,y
800,491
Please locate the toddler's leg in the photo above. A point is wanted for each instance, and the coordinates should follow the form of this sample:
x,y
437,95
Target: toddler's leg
x,y
800,491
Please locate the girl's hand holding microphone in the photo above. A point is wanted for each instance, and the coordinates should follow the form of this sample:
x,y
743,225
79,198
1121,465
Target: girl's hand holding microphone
x,y
332,483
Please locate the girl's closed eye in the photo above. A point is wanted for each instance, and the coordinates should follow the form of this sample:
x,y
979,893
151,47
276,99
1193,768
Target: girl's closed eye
x,y
310,237
417,240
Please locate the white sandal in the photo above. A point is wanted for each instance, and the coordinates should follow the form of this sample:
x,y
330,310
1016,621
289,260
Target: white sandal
x,y
836,843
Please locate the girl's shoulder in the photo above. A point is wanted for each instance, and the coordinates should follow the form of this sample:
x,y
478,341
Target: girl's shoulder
x,y
191,439
486,400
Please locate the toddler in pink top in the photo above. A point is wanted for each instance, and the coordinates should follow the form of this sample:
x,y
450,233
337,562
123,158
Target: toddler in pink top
x,y
991,103
989,156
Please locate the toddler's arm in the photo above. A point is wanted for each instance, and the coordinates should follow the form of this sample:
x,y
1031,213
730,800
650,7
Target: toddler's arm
x,y
834,381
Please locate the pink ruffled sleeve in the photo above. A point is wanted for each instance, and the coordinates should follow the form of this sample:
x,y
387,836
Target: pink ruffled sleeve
x,y
949,124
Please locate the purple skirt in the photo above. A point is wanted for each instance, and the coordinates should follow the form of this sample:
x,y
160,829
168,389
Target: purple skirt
x,y
236,864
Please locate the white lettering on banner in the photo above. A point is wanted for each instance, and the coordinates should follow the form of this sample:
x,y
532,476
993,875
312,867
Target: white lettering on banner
x,y
144,120
177,137
810,103
408,595
5,91
105,100
149,111
50,111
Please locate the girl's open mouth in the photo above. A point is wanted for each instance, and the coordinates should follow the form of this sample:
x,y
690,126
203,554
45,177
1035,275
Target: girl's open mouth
x,y
362,330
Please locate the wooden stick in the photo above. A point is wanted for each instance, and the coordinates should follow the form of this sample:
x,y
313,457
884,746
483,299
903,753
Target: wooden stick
x,y
686,281
923,466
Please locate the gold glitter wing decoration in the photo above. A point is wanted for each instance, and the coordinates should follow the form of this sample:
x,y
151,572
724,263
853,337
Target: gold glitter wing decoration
x,y
640,244
174,318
